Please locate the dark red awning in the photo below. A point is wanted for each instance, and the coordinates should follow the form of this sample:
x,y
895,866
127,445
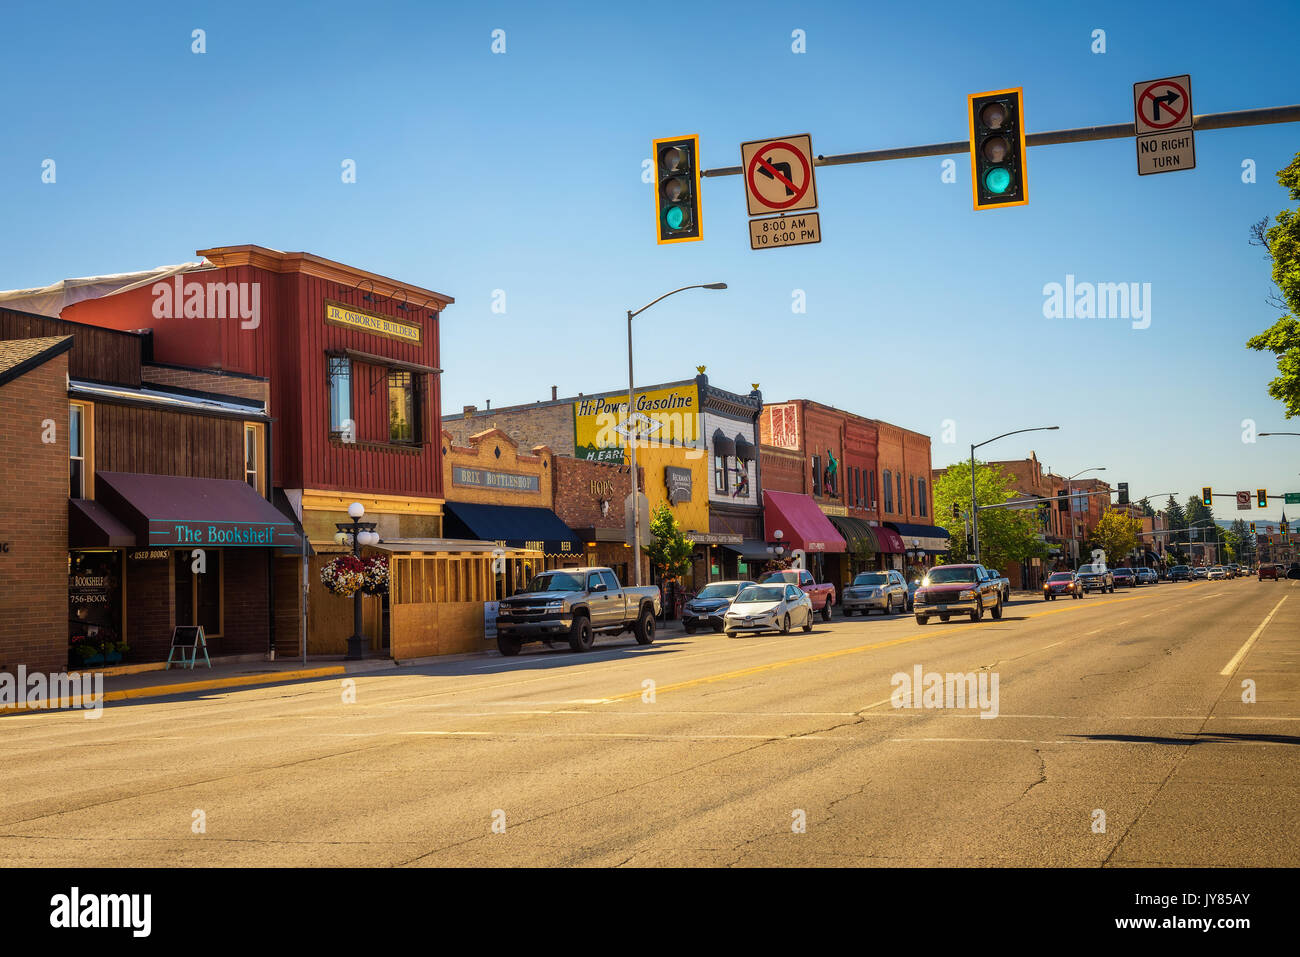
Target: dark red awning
x,y
91,525
179,511
802,523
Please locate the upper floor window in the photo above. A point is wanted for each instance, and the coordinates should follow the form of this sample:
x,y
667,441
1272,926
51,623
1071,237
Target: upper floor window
x,y
721,472
339,374
911,494
403,408
817,474
254,457
888,484
77,451
899,477
922,498
871,491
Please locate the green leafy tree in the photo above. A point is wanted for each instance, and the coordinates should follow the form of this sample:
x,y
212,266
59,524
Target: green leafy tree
x,y
669,550
1115,534
1007,535
1281,243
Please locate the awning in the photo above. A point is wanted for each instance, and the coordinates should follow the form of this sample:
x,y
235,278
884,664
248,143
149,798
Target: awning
x,y
802,523
515,526
90,525
744,449
890,543
180,512
723,445
750,548
856,532
929,538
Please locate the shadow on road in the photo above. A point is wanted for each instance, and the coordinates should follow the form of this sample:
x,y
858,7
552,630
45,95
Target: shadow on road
x,y
1205,737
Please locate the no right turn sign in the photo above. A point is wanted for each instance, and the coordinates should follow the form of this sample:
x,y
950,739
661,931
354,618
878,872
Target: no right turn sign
x,y
1162,119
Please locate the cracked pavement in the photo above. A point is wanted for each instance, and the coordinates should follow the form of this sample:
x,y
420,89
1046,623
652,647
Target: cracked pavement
x,y
1097,711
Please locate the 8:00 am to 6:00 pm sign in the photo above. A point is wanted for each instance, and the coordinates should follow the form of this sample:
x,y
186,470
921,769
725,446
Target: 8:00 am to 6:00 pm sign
x,y
775,231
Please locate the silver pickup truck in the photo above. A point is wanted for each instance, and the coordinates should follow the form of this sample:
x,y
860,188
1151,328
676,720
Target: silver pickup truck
x,y
576,604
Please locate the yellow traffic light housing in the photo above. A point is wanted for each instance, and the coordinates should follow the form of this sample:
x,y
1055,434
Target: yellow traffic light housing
x,y
1262,496
677,189
997,148
1207,496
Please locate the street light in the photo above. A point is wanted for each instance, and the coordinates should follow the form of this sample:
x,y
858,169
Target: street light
x,y
974,508
1069,498
631,441
357,533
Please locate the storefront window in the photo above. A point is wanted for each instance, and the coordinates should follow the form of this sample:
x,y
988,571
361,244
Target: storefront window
x,y
340,398
94,595
403,422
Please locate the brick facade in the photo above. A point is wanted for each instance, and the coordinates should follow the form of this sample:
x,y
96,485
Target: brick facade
x,y
546,423
493,450
34,519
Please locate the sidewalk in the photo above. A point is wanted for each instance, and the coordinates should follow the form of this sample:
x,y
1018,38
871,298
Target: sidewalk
x,y
148,681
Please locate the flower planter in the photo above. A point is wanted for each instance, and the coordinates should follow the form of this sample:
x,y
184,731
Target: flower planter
x,y
93,660
113,657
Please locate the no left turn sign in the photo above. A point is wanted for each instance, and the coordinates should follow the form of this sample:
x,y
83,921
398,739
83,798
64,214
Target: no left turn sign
x,y
779,174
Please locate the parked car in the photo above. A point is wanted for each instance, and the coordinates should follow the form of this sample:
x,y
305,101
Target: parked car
x,y
1125,576
1003,583
578,604
1294,570
821,595
1059,584
1200,572
709,605
1217,573
1096,578
1147,576
772,606
1234,570
912,586
957,590
1180,573
883,591
1269,570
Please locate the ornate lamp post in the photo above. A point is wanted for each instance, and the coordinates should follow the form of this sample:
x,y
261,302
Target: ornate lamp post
x,y
356,533
776,548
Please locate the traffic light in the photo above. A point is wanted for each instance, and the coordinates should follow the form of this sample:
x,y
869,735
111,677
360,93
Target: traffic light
x,y
956,510
1207,496
1285,527
1252,528
997,149
1123,493
677,189
1262,496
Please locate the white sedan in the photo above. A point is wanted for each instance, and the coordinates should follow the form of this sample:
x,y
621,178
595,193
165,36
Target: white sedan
x,y
771,607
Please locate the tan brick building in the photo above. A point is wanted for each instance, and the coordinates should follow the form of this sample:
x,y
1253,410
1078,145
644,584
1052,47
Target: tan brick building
x,y
34,504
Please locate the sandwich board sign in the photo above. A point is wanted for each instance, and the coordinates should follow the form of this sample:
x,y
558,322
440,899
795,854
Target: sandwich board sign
x,y
1162,120
188,639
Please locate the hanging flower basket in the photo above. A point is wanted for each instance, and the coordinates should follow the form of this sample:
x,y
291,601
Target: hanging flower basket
x,y
376,575
344,575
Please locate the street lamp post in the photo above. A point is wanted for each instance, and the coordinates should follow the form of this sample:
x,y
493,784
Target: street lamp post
x,y
974,507
631,440
1069,498
357,533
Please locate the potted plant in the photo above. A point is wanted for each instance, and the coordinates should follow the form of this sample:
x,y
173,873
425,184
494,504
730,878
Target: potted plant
x,y
87,651
376,575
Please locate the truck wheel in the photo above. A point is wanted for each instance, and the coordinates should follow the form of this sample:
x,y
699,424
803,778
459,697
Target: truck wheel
x,y
645,628
826,610
997,611
978,613
580,637
922,620
717,629
509,645
689,626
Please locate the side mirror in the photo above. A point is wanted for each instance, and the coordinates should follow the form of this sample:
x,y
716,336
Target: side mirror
x,y
599,586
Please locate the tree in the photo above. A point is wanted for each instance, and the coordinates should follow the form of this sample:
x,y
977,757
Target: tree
x,y
1147,510
1115,535
669,550
1281,243
1007,535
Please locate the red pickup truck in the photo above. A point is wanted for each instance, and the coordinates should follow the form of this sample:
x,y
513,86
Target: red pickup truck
x,y
822,595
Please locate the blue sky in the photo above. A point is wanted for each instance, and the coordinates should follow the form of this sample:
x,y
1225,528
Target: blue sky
x,y
521,172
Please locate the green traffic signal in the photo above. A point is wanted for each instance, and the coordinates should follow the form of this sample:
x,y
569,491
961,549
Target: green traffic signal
x,y
997,148
677,189
997,180
674,217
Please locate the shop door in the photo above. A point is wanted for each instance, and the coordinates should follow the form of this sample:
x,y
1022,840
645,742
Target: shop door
x,y
198,594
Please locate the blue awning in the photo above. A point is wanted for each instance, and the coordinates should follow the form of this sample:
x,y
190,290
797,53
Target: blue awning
x,y
514,526
931,538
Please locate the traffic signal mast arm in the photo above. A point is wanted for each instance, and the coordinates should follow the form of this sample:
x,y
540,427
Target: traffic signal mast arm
x,y
1084,134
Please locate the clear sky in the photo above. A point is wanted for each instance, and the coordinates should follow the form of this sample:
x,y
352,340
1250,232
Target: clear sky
x,y
521,172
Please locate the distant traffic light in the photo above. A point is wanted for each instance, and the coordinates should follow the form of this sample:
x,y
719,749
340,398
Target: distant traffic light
x,y
677,189
997,148
1207,496
956,510
1252,528
1262,496
1123,493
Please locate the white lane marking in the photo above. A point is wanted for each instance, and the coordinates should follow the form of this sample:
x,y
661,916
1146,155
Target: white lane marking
x,y
1190,740
1231,666
619,734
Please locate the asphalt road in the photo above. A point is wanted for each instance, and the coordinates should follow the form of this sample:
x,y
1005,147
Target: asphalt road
x,y
754,751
